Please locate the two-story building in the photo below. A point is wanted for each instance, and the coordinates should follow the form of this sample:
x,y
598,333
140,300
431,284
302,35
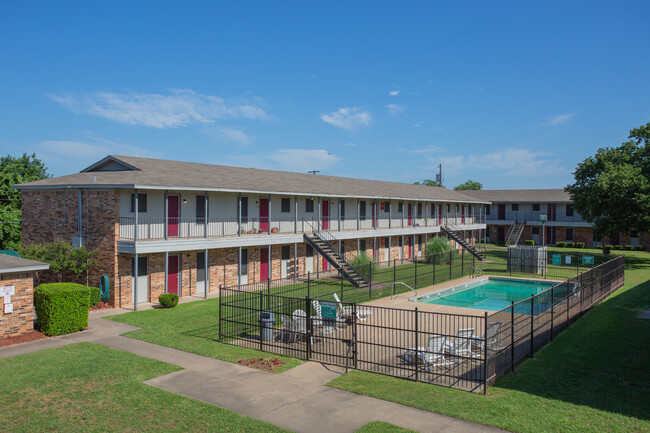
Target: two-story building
x,y
188,228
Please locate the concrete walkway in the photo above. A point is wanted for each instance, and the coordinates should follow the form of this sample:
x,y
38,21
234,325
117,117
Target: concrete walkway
x,y
297,400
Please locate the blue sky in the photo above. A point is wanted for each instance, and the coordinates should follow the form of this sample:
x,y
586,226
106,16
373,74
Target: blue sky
x,y
511,94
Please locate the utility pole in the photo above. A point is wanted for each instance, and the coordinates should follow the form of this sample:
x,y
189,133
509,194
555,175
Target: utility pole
x,y
314,171
439,175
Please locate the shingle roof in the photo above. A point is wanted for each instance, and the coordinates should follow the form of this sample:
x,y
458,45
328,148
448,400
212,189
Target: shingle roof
x,y
522,195
164,174
17,264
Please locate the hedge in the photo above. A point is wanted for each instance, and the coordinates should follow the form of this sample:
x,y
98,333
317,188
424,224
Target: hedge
x,y
62,308
168,300
529,242
629,247
580,244
618,247
639,248
95,296
560,244
570,244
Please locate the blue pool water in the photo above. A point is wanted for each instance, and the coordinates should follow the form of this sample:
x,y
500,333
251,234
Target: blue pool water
x,y
491,294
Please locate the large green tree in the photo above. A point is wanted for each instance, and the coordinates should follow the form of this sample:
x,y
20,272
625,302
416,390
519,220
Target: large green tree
x,y
612,188
470,185
14,170
427,182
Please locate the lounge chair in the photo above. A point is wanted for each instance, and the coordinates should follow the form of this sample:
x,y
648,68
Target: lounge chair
x,y
348,311
300,324
433,355
286,333
491,336
463,344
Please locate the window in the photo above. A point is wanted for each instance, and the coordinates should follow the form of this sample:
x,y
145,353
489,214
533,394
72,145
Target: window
x,y
200,266
142,266
309,251
433,209
243,269
286,205
400,207
401,241
387,206
309,205
569,235
456,208
244,209
515,207
469,210
342,210
487,209
448,208
419,210
535,207
569,210
286,252
362,210
200,206
536,230
142,203
362,245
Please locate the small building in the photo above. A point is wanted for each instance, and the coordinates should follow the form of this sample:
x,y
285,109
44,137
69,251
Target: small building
x,y
17,294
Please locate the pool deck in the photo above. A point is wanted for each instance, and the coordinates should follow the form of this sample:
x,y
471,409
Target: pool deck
x,y
402,300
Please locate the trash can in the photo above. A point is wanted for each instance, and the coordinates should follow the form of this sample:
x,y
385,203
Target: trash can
x,y
268,320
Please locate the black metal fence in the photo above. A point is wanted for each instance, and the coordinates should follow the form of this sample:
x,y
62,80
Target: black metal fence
x,y
456,349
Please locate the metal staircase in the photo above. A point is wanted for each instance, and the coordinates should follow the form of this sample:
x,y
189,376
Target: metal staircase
x,y
451,232
320,239
514,234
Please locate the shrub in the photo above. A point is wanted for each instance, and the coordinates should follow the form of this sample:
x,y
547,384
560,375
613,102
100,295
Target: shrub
x,y
168,300
360,263
629,247
529,242
618,247
62,308
95,296
609,247
570,244
560,244
600,247
437,250
639,248
580,244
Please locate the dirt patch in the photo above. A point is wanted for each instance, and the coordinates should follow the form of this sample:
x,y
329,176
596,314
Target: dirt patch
x,y
24,338
101,306
264,364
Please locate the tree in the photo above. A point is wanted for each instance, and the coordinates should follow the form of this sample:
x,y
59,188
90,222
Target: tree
x,y
470,185
427,182
63,259
14,170
612,188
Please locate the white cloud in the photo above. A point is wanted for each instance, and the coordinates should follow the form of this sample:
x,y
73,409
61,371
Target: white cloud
x,y
509,162
393,92
300,160
394,108
180,107
559,119
427,150
232,134
349,118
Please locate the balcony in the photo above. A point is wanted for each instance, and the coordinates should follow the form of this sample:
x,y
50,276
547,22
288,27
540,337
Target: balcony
x,y
197,228
534,217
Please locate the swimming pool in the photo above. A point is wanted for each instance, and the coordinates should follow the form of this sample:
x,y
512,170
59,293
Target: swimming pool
x,y
491,293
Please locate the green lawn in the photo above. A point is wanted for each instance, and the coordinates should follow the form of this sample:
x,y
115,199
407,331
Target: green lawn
x,y
382,427
594,377
91,388
192,327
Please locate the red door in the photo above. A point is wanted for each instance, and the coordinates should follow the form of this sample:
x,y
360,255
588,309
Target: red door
x,y
502,211
439,214
172,274
410,244
325,215
264,263
410,213
462,214
173,212
264,214
552,212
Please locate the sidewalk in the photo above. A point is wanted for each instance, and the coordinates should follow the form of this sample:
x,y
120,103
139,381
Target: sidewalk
x,y
296,399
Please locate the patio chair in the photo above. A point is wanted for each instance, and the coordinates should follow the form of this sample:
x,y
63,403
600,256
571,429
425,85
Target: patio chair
x,y
300,324
286,333
347,311
491,336
463,344
433,355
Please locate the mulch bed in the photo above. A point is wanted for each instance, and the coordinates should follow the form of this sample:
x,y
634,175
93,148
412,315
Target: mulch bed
x,y
24,338
101,306
264,364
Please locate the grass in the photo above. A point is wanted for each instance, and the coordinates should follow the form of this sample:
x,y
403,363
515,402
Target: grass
x,y
594,377
383,427
86,387
192,327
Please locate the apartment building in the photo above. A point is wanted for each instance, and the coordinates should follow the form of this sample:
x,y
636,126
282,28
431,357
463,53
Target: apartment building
x,y
188,228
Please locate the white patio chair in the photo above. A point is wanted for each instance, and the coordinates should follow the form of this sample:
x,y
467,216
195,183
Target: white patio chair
x,y
300,324
433,355
491,336
348,311
286,333
463,344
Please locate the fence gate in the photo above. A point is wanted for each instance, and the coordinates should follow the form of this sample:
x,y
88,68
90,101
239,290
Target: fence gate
x,y
333,333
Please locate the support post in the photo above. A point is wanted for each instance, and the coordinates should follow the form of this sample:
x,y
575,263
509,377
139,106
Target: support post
x,y
512,335
415,260
207,274
416,344
259,318
532,325
238,223
451,259
220,313
166,270
308,283
485,357
166,212
295,214
205,216
136,204
135,275
369,280
394,270
552,312
269,222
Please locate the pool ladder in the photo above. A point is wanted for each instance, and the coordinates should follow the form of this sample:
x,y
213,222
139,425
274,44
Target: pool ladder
x,y
415,293
476,272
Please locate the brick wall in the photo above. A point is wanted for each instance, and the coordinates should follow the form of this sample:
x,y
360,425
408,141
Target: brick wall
x,y
51,215
22,318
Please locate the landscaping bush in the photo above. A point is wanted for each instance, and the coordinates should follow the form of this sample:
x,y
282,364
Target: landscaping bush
x,y
629,247
609,247
618,247
639,248
600,247
168,300
95,296
360,262
560,244
570,245
529,242
438,250
62,308
580,244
